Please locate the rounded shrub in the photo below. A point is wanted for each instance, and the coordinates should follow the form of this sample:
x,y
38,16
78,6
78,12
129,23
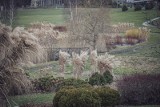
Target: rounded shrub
x,y
137,7
72,82
76,97
109,97
44,84
99,79
149,6
108,77
124,8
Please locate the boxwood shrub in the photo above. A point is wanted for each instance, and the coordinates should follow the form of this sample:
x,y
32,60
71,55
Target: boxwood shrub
x,y
109,97
77,83
101,79
44,84
76,97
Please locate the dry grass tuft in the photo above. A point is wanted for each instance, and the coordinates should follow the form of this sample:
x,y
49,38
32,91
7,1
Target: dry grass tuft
x,y
63,56
15,47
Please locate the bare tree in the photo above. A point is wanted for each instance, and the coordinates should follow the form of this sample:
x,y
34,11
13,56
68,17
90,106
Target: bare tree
x,y
87,24
11,12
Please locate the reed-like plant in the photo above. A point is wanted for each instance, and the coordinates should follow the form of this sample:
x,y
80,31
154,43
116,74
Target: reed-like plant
x,y
63,57
78,65
15,47
93,61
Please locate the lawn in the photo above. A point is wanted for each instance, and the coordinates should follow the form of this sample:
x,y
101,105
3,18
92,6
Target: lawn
x,y
38,98
26,16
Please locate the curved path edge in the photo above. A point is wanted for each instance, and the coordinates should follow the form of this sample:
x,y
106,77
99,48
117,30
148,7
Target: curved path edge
x,y
147,23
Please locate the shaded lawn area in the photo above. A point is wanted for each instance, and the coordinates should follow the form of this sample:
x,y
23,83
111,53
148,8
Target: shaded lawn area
x,y
40,98
26,16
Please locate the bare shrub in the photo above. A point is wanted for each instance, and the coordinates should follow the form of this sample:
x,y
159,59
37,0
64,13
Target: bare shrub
x,y
140,89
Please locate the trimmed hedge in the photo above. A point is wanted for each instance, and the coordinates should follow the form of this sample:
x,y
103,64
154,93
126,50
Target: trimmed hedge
x,y
86,97
44,84
77,83
76,97
109,97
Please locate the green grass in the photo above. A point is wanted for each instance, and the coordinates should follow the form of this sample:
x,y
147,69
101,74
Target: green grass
x,y
131,16
40,98
26,16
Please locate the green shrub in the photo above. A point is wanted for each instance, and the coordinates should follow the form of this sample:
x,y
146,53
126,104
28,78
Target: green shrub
x,y
109,97
99,79
108,77
137,7
72,82
149,6
44,84
124,8
76,97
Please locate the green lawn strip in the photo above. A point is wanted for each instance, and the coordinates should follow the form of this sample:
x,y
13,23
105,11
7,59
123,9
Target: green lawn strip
x,y
123,71
39,98
131,16
26,16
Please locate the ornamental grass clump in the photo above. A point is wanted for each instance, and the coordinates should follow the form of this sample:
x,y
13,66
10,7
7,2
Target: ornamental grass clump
x,y
93,61
106,63
122,27
63,57
78,65
137,35
15,48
